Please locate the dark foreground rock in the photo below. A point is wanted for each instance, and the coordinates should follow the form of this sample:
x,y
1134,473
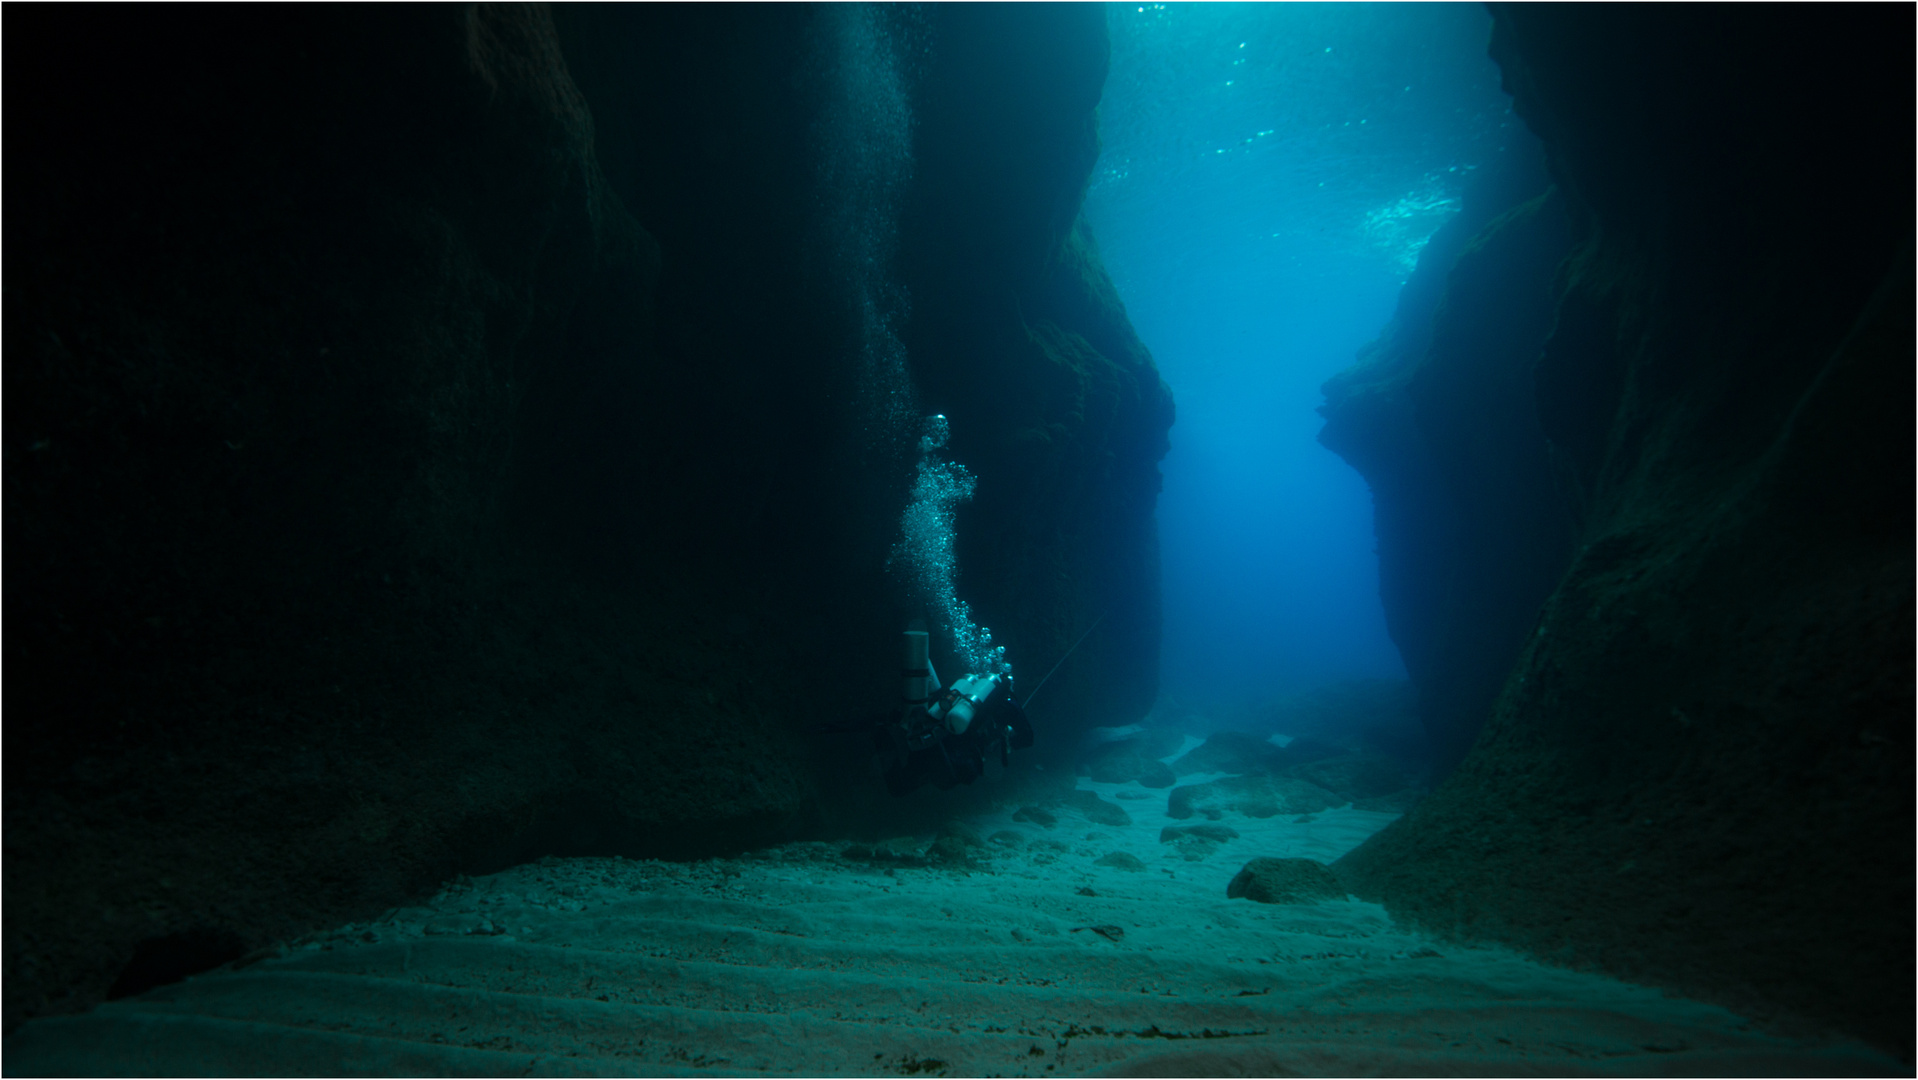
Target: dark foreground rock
x,y
1698,773
434,439
1285,881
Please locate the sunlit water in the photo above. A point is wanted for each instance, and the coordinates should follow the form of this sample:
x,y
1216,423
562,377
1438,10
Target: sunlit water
x,y
1269,175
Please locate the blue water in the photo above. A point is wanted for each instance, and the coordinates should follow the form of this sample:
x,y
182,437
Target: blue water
x,y
1269,174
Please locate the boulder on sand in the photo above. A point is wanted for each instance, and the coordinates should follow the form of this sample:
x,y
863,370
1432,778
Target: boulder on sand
x,y
1196,842
1285,881
1137,758
1035,815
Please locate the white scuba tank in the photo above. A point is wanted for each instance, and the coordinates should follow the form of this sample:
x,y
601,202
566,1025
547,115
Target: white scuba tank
x,y
957,706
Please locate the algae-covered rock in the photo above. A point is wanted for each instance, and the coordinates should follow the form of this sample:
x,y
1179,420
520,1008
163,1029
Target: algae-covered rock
x,y
1285,881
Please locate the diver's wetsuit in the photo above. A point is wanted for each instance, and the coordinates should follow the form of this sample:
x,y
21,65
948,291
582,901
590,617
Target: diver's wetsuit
x,y
955,759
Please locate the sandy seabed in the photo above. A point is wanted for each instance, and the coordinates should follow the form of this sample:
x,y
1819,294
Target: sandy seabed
x,y
1030,958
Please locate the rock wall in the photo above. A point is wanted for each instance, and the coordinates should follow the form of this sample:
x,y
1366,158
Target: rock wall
x,y
1438,416
1018,334
1698,774
431,442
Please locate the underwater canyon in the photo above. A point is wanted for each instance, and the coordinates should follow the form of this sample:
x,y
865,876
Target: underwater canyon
x,y
444,442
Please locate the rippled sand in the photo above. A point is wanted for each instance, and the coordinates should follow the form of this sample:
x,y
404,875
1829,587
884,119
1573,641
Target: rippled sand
x,y
1036,960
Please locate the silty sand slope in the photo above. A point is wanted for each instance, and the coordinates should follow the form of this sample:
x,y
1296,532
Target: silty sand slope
x,y
1023,955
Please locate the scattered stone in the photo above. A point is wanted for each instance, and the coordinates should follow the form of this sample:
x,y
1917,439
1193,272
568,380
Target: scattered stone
x,y
1220,833
1285,881
1157,774
1253,796
1097,809
1086,890
1120,860
1195,848
956,846
1035,815
1104,930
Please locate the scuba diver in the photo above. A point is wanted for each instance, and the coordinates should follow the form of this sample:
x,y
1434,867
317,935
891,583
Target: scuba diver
x,y
942,735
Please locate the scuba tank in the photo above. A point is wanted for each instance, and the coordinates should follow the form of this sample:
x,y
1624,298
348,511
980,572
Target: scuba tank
x,y
954,707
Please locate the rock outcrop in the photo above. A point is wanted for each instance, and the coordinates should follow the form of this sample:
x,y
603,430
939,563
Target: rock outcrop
x,y
1019,335
1284,881
1699,774
431,444
1438,416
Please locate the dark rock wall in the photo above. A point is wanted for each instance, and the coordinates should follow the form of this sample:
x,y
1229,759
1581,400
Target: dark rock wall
x,y
1699,772
1438,416
1019,335
418,460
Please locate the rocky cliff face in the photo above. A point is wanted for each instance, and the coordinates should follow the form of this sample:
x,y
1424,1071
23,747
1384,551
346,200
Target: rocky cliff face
x,y
432,442
1698,773
1438,416
1020,336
